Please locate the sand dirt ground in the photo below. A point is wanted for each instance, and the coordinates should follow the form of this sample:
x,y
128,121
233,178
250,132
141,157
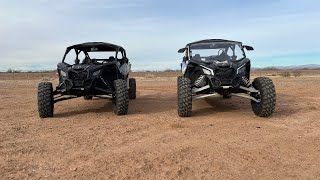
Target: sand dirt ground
x,y
222,140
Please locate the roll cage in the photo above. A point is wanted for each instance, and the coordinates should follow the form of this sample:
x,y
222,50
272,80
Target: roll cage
x,y
95,47
202,45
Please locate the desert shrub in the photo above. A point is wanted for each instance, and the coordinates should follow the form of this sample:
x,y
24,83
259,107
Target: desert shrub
x,y
285,74
272,74
296,73
170,70
271,68
149,75
10,70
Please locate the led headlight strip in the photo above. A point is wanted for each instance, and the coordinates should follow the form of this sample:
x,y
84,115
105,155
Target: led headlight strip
x,y
239,68
207,71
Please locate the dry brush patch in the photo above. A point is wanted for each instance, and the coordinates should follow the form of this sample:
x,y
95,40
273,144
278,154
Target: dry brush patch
x,y
285,74
296,73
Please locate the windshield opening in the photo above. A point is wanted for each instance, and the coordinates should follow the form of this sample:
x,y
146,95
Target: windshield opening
x,y
221,51
74,57
102,55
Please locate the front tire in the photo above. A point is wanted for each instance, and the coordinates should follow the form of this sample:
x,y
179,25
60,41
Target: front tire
x,y
266,95
184,97
45,100
121,97
132,88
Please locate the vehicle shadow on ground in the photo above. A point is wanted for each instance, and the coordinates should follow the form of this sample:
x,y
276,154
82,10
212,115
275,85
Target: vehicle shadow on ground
x,y
211,106
157,103
285,107
154,103
84,108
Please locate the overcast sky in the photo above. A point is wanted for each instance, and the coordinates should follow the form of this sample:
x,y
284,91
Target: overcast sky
x,y
35,33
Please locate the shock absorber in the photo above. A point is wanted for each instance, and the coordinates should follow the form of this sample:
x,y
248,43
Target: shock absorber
x,y
246,81
201,81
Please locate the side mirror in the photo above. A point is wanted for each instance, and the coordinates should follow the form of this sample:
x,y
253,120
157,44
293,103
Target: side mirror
x,y
248,48
181,50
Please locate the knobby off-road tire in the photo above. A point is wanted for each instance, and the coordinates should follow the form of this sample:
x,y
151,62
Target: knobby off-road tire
x,y
184,97
132,88
267,97
121,97
45,99
87,97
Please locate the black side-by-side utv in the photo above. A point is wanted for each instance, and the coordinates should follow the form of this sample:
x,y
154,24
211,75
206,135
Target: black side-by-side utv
x,y
88,76
220,67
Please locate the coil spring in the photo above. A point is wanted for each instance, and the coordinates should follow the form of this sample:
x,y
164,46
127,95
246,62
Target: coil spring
x,y
246,81
200,81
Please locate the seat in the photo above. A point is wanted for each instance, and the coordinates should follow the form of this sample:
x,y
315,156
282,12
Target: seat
x,y
224,56
111,58
86,60
197,57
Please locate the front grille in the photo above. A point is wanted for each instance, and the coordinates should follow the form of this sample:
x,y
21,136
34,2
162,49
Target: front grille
x,y
68,84
78,75
236,82
228,73
215,82
87,83
78,83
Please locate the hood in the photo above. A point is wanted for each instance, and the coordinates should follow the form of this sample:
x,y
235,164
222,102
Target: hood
x,y
222,63
219,64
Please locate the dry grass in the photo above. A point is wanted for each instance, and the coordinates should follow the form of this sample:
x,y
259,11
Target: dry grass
x,y
296,73
155,74
285,74
28,75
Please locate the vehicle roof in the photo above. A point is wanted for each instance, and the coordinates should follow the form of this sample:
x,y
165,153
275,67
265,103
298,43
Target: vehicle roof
x,y
213,41
101,46
208,41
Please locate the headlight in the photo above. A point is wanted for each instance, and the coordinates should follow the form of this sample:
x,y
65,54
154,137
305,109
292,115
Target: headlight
x,y
241,69
183,67
97,73
63,74
207,71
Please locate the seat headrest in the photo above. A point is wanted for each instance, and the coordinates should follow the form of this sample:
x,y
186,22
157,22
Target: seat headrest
x,y
197,57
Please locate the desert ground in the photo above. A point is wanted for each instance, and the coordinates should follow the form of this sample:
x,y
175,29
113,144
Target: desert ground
x,y
222,140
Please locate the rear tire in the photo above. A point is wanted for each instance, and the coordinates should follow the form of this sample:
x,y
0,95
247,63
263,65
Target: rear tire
x,y
45,100
132,88
121,97
267,97
184,97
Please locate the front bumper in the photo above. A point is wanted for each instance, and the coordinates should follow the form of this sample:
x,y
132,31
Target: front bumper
x,y
225,77
76,81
